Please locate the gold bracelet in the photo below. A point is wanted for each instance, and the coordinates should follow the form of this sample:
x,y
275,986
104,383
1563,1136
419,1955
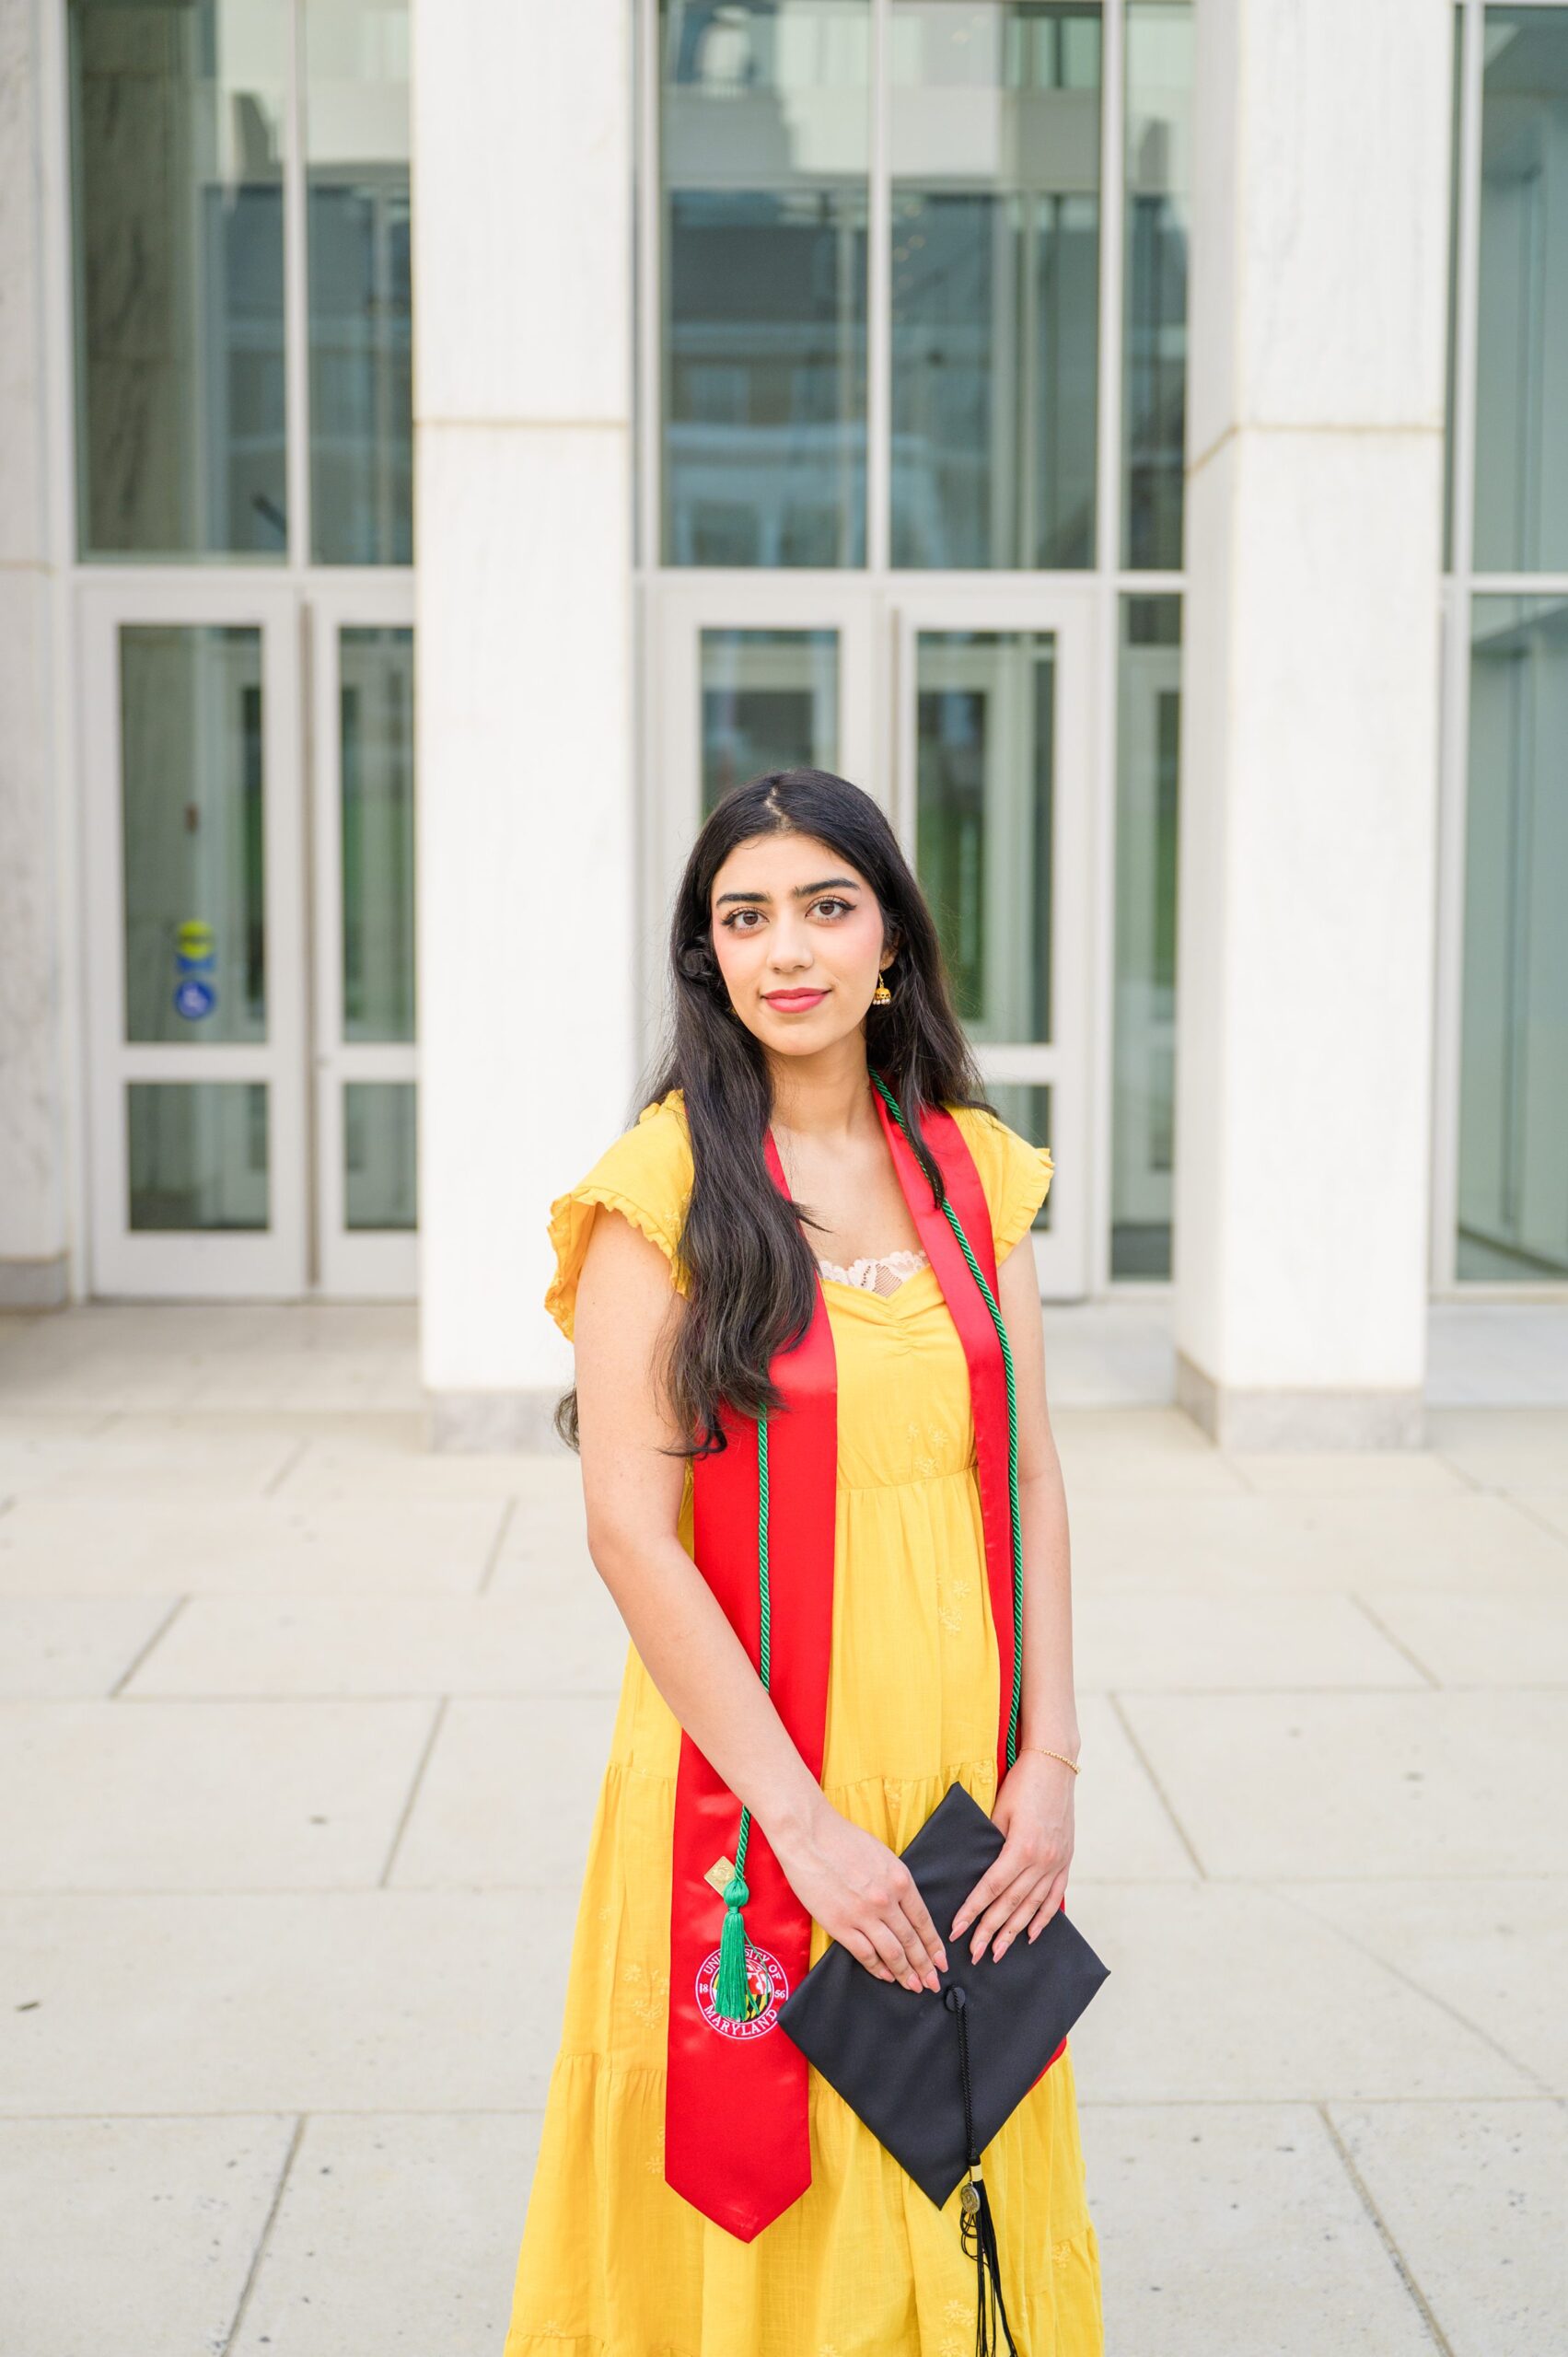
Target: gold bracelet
x,y
1051,1755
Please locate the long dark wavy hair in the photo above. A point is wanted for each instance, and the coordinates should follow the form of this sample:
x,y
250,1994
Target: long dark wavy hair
x,y
749,1274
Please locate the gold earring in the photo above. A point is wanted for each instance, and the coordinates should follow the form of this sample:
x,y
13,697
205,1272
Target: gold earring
x,y
882,995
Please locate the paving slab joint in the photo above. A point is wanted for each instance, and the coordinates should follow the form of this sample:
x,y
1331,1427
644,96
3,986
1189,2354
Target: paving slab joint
x,y
1419,2300
264,2236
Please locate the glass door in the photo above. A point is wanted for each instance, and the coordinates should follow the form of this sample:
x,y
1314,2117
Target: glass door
x,y
196,939
248,886
363,1099
967,711
992,761
744,675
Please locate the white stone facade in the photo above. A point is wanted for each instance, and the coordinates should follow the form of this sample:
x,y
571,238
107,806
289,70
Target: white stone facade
x,y
1309,807
1310,998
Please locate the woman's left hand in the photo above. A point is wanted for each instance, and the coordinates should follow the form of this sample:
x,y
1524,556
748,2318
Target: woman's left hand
x,y
1024,1886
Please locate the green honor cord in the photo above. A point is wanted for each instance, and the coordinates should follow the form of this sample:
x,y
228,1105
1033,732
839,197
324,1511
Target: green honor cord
x,y
731,1993
1018,1523
731,1988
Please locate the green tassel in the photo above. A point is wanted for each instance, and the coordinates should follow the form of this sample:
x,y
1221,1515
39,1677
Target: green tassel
x,y
730,1990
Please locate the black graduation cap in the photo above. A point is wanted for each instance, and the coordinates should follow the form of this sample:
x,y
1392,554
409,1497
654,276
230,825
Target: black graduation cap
x,y
935,2078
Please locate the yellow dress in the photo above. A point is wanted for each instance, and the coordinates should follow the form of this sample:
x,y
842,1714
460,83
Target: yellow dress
x,y
614,2263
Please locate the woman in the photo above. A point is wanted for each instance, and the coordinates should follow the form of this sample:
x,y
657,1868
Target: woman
x,y
772,1428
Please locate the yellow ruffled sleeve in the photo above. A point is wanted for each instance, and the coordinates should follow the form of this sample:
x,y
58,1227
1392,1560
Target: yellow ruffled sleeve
x,y
645,1174
1015,1175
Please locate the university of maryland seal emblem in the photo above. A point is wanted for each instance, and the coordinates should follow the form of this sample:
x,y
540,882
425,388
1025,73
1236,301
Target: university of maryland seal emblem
x,y
766,1988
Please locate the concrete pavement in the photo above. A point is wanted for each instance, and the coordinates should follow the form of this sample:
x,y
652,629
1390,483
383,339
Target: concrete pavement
x,y
283,1930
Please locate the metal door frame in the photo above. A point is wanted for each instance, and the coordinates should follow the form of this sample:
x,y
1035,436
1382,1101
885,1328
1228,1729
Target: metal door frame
x,y
306,1252
192,1264
878,619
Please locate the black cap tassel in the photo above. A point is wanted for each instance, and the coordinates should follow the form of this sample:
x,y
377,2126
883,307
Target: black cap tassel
x,y
977,2228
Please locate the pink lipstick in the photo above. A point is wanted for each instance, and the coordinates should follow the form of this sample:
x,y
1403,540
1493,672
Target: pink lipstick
x,y
794,1002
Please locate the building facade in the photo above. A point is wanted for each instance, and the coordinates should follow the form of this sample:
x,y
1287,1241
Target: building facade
x,y
441,454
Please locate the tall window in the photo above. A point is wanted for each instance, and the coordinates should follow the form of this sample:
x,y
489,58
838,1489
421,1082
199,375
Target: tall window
x,y
1508,530
1158,180
187,119
765,143
995,118
356,155
916,299
179,115
1148,727
879,266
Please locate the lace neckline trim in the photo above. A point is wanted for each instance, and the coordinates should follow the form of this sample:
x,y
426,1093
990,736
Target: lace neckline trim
x,y
872,1275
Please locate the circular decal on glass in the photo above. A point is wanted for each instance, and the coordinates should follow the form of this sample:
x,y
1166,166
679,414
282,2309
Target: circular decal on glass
x,y
194,1000
766,1988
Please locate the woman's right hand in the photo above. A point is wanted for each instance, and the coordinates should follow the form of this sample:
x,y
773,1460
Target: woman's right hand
x,y
865,1896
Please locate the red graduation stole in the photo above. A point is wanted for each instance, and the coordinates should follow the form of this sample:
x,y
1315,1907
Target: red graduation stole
x,y
737,2140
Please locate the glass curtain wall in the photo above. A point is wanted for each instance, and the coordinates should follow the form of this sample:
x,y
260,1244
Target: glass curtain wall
x,y
765,139
240,227
1157,168
883,348
995,169
1159,38
356,177
179,122
1509,529
991,180
183,123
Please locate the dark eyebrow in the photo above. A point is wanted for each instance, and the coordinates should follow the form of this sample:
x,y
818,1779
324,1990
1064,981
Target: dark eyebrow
x,y
801,892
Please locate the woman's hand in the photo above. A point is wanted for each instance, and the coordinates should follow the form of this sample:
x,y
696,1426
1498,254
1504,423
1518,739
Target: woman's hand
x,y
864,1896
1034,1808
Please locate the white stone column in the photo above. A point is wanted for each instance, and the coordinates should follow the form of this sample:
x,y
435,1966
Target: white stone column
x,y
33,1192
1309,742
522,193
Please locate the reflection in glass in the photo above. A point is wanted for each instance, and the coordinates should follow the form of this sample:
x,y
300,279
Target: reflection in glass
x,y
197,1154
192,832
985,722
765,141
1159,160
1521,459
356,172
1144,1046
379,1154
1455,152
375,716
770,701
1512,1211
177,113
1024,1107
995,267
